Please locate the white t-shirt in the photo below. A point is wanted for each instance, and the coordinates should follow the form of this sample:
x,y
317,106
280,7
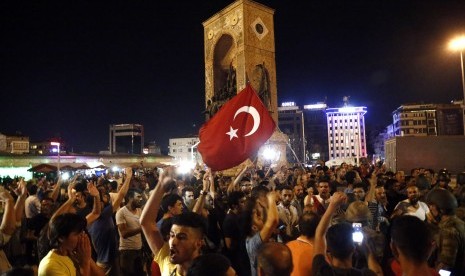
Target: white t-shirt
x,y
132,221
32,206
411,211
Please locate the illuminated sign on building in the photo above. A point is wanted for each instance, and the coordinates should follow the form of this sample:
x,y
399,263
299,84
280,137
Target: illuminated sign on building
x,y
315,106
288,104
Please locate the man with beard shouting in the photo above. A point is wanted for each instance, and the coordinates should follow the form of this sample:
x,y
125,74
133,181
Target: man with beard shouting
x,y
185,238
412,205
321,201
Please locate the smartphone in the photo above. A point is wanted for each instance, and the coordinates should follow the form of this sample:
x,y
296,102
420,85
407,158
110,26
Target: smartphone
x,y
357,234
443,272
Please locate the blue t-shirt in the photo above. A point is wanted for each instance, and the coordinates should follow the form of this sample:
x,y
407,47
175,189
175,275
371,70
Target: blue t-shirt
x,y
103,234
252,244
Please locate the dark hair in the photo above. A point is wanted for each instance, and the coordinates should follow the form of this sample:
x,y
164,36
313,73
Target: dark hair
x,y
308,222
285,187
245,179
275,259
390,183
193,220
311,183
323,179
413,237
114,185
32,189
63,225
350,177
213,264
259,191
81,185
234,198
169,201
264,182
187,189
339,240
246,219
360,185
131,193
260,173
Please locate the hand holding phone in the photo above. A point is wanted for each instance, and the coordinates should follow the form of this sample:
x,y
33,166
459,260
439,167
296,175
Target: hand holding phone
x,y
357,234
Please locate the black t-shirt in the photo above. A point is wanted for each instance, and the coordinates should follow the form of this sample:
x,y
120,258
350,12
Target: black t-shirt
x,y
237,252
231,227
37,222
321,267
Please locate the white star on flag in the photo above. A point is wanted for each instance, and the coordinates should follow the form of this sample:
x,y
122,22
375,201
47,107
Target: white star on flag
x,y
232,133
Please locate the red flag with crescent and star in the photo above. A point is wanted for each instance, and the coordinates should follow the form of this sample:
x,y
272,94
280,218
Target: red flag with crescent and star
x,y
236,131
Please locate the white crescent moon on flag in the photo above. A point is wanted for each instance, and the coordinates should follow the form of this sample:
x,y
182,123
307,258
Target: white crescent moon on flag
x,y
256,117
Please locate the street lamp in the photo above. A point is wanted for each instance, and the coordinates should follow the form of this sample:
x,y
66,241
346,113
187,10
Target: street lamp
x,y
458,44
58,148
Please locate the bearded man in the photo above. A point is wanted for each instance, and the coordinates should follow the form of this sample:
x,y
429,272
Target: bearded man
x,y
412,205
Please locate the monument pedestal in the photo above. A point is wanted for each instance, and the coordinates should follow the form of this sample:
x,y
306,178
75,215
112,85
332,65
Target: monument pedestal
x,y
276,147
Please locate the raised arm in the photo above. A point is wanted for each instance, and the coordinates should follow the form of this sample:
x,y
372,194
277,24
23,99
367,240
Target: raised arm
x,y
124,189
150,212
64,208
8,225
97,207
205,188
21,191
371,191
272,219
234,185
337,200
212,184
56,189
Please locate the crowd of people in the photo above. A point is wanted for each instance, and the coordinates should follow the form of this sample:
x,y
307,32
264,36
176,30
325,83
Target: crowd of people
x,y
344,220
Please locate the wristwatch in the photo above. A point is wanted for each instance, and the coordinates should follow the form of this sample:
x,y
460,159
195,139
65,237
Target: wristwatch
x,y
203,193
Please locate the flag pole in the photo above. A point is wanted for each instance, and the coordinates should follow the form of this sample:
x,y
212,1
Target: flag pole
x,y
292,150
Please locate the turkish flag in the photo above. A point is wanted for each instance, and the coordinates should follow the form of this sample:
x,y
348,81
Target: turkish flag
x,y
236,131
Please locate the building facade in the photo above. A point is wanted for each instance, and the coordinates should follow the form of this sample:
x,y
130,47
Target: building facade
x,y
152,148
427,120
291,122
126,139
16,144
184,149
316,132
346,132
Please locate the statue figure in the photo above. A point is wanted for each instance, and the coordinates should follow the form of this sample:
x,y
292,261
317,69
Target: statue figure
x,y
261,84
222,95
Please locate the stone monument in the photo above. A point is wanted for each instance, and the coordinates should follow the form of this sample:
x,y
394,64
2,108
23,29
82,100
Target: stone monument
x,y
240,49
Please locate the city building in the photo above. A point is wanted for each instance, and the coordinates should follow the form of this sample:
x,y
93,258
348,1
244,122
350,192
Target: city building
x,y
291,122
316,132
16,143
152,148
346,132
126,138
184,149
404,153
427,120
46,148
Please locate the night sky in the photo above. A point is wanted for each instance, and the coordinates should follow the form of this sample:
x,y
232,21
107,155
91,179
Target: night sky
x,y
71,68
